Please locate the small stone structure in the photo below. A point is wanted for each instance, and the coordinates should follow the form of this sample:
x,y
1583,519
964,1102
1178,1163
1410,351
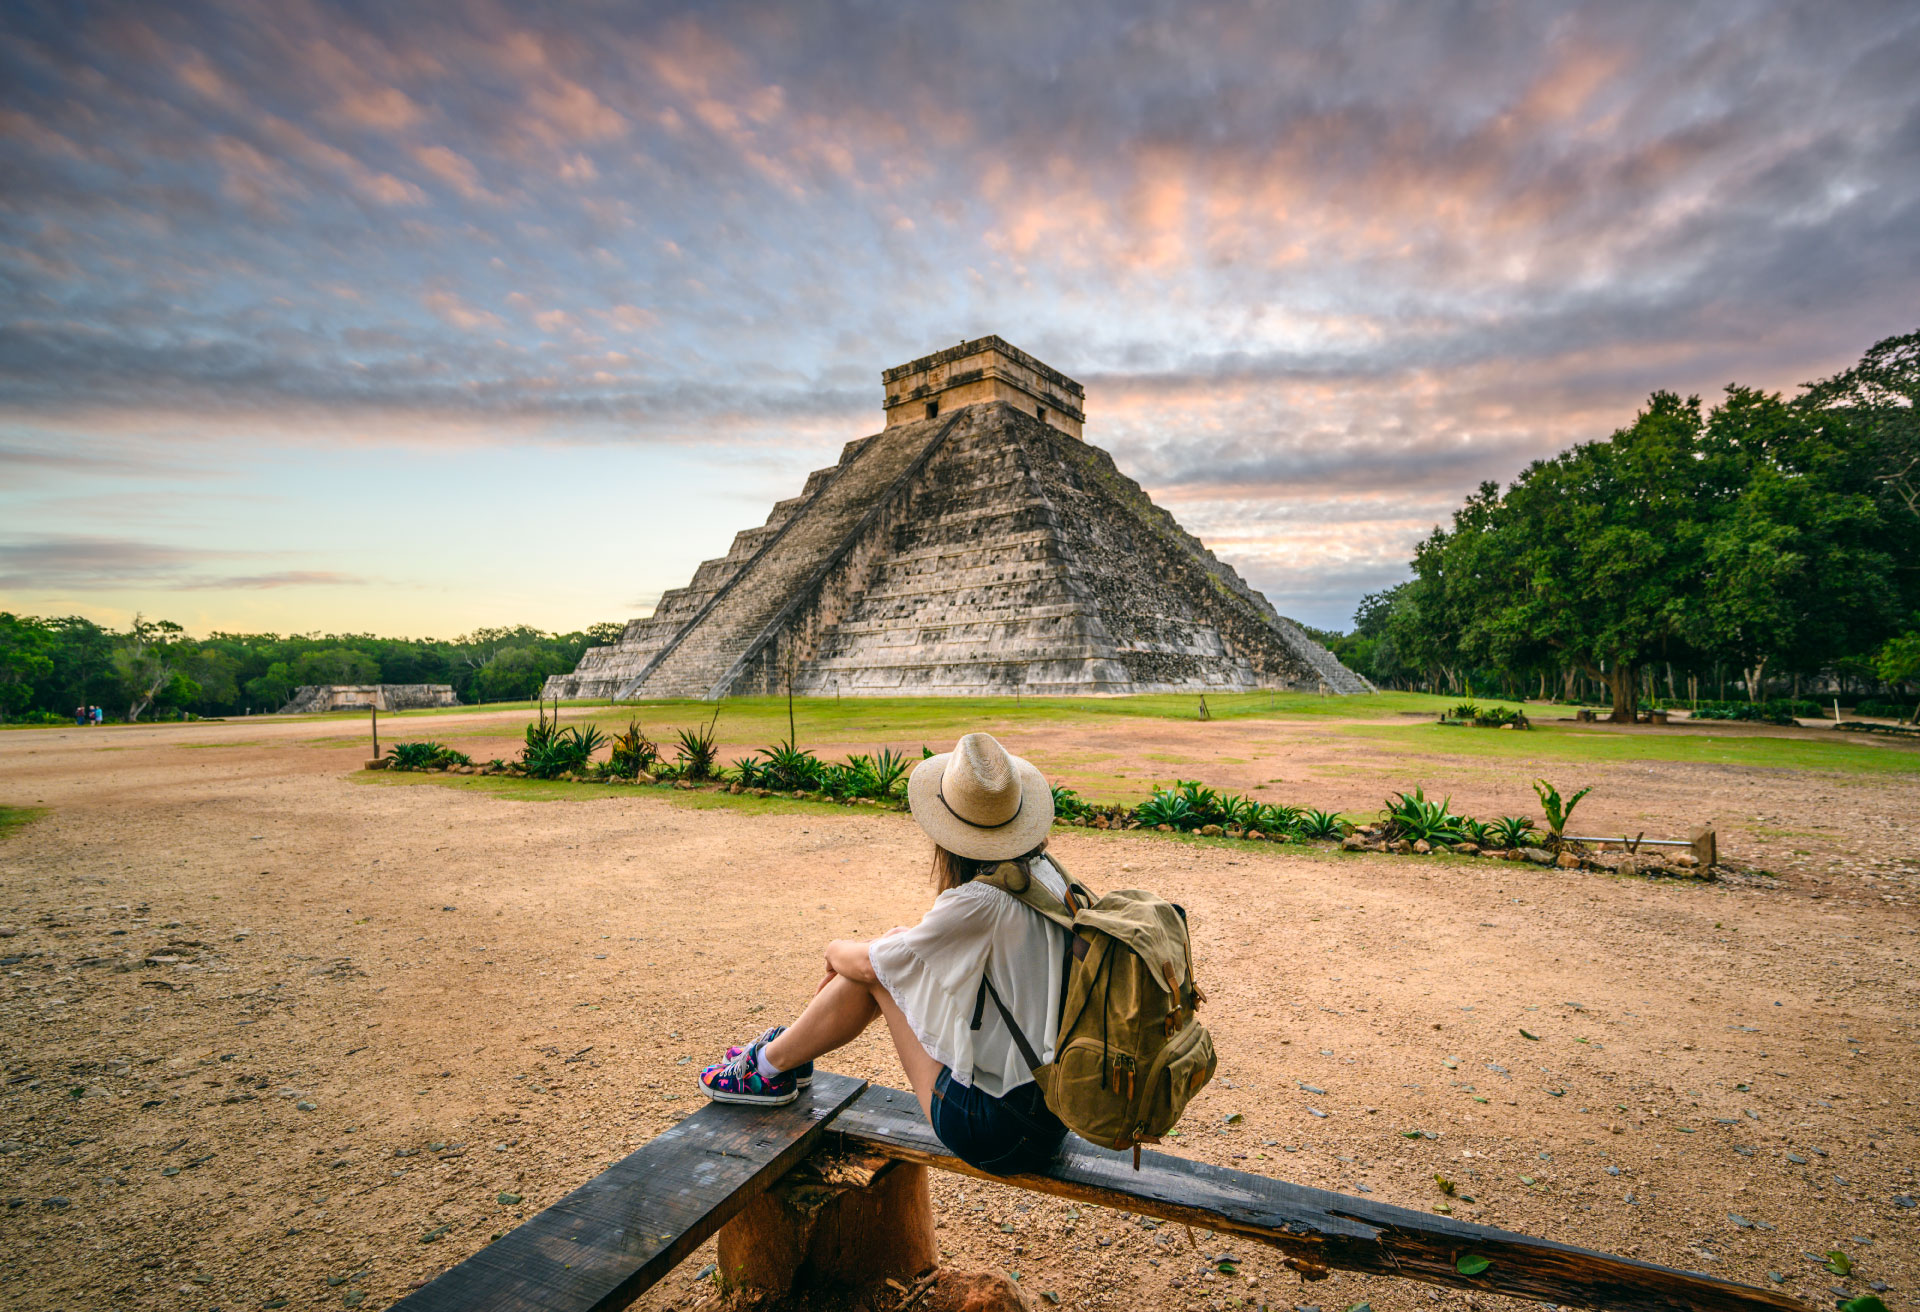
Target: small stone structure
x,y
311,697
974,546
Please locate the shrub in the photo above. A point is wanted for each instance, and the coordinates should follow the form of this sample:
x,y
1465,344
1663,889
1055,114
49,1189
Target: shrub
x,y
698,751
1069,805
1495,717
551,751
786,768
425,756
1465,712
1885,709
1414,818
634,753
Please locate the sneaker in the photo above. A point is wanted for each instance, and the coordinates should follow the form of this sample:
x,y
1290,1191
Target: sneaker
x,y
738,1080
802,1074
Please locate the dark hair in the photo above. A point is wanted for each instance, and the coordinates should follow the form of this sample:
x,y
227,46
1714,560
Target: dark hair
x,y
950,869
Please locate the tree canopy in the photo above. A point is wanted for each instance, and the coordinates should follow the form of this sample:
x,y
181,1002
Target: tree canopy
x,y
1766,535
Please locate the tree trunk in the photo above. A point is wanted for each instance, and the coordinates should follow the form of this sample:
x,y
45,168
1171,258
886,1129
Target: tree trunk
x,y
1755,677
1621,680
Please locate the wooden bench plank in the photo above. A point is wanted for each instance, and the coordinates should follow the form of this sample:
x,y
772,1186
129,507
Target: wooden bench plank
x,y
608,1241
1320,1228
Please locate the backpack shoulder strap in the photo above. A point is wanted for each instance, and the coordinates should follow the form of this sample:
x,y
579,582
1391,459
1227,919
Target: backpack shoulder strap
x,y
1015,879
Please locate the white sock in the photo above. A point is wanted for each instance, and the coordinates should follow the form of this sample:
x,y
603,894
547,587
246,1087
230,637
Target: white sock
x,y
767,1069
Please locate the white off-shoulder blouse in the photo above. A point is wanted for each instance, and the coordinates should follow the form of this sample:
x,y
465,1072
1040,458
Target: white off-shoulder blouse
x,y
933,972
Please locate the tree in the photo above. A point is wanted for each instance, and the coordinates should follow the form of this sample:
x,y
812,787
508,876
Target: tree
x,y
143,660
1795,571
1583,561
26,657
273,689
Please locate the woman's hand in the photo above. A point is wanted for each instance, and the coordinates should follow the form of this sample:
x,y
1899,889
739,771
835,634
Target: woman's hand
x,y
847,956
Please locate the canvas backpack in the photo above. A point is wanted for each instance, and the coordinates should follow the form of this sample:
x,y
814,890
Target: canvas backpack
x,y
1130,1052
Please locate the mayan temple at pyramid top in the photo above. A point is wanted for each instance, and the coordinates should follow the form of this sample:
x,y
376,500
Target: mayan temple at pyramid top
x,y
976,545
985,369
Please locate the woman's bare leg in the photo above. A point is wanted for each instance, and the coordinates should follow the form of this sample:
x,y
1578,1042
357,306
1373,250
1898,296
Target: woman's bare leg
x,y
838,1014
922,1069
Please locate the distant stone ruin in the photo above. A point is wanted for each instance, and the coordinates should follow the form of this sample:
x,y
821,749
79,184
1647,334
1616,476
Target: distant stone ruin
x,y
311,697
975,546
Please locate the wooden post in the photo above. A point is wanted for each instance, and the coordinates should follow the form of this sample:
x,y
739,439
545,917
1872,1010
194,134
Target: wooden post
x,y
838,1219
374,709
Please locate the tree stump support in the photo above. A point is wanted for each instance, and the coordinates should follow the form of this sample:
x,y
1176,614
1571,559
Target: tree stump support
x,y
846,1219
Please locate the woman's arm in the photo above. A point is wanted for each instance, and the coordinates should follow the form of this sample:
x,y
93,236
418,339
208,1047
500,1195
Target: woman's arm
x,y
848,956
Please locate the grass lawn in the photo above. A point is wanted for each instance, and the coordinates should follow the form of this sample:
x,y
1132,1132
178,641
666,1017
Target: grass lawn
x,y
1384,723
1692,743
16,817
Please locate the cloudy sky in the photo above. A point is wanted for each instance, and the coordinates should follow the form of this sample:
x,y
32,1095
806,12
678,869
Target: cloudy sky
x,y
412,318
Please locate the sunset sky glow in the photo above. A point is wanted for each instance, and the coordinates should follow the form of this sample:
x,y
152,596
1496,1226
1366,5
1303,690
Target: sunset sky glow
x,y
413,318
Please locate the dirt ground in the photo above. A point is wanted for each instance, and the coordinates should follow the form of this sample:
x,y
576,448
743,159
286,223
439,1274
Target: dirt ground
x,y
278,1036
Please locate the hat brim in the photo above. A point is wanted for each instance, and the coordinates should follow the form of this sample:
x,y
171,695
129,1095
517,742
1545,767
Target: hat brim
x,y
1015,838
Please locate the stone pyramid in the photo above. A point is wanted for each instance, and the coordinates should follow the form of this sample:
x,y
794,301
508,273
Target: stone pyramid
x,y
974,546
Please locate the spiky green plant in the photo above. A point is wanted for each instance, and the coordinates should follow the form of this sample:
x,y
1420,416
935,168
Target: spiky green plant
x,y
424,756
633,752
1067,804
1412,817
790,769
889,771
698,751
1167,808
1558,812
1515,831
1320,824
1276,818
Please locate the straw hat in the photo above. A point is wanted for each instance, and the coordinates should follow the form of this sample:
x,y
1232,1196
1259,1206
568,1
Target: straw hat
x,y
978,801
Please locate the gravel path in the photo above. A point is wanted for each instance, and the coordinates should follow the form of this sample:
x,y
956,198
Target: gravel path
x,y
271,1034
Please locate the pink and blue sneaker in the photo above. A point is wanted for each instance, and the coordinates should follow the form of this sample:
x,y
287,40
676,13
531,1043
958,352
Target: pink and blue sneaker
x,y
738,1079
802,1074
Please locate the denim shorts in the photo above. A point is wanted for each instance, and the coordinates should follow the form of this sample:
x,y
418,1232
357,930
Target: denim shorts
x,y
1001,1136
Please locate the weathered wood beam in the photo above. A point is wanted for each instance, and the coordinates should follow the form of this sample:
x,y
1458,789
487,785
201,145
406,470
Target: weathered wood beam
x,y
608,1241
1318,1229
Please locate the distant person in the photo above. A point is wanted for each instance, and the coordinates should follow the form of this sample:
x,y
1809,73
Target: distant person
x,y
99,716
981,807
81,716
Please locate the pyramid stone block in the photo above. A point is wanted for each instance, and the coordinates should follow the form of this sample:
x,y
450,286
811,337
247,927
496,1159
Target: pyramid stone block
x,y
976,545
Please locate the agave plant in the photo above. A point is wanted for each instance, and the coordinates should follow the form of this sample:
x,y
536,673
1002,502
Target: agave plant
x,y
1478,832
791,768
698,751
854,778
1067,804
889,768
1558,812
1275,818
1165,808
1515,831
1203,801
633,752
1413,817
551,750
425,756
1238,811
1320,824
1465,712
750,773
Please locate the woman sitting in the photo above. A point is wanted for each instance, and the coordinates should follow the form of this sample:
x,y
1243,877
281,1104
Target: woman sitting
x,y
981,806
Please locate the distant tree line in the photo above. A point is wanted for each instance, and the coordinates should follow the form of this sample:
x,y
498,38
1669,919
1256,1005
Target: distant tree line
x,y
1765,544
155,670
